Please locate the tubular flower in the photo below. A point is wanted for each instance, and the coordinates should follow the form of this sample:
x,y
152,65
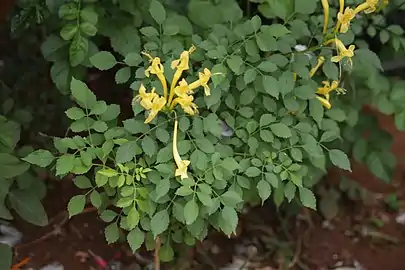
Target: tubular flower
x,y
343,52
368,7
157,105
324,91
203,79
157,69
325,6
182,165
320,62
341,5
180,65
182,89
186,103
145,99
344,19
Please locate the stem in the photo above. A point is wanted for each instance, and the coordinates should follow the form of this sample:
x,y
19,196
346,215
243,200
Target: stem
x,y
156,256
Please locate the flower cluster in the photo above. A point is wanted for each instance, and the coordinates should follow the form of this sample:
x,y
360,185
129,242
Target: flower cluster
x,y
180,93
344,18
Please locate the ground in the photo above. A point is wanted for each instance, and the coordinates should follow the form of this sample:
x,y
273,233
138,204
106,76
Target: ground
x,y
311,242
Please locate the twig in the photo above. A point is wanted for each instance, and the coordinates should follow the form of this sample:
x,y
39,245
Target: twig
x,y
57,227
17,266
297,254
157,248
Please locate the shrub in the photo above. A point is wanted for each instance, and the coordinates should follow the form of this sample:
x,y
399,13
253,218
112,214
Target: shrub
x,y
228,110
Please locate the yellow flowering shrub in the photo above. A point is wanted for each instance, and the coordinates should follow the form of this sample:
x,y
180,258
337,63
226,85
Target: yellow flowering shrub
x,y
228,110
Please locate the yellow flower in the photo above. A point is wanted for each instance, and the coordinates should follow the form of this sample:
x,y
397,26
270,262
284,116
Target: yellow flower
x,y
182,89
182,165
343,52
341,5
324,101
157,69
345,18
327,87
325,90
320,62
145,99
180,65
157,105
325,6
203,79
368,7
186,103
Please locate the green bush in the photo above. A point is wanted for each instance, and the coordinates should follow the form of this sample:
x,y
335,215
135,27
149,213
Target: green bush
x,y
229,109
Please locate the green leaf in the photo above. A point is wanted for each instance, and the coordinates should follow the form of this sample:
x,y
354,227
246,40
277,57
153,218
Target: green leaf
x,y
6,256
281,130
75,113
64,164
112,233
250,75
271,86
123,75
162,188
289,191
266,135
108,215
231,198
69,31
304,92
99,108
267,119
205,199
133,59
253,172
230,164
103,60
149,31
126,152
305,7
184,191
148,146
68,11
307,198
166,253
205,145
41,158
135,239
100,126
376,167
339,159
191,211
132,218
82,94
28,205
95,199
162,135
82,182
76,205
229,220
88,28
157,11
368,58
125,40
235,63
11,166
286,82
78,50
267,66
159,222
264,190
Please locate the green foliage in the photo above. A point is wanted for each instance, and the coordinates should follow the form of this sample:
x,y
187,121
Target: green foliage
x,y
282,141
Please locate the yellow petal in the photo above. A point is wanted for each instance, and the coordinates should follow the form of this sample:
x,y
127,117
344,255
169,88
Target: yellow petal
x,y
182,165
324,102
325,5
157,105
336,58
182,169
